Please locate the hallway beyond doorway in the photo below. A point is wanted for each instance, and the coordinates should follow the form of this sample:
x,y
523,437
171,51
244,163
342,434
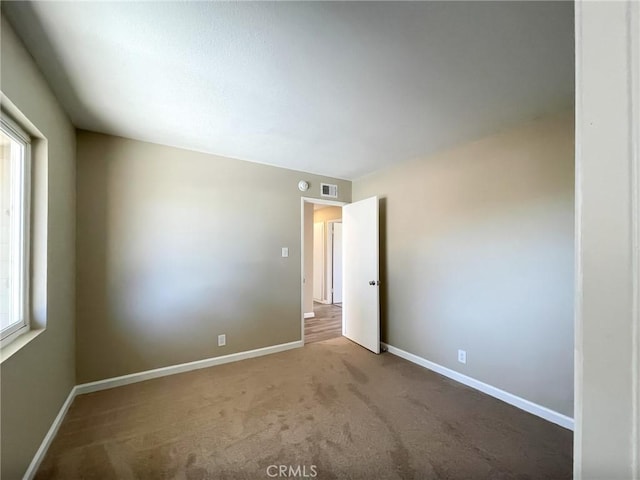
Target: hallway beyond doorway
x,y
326,324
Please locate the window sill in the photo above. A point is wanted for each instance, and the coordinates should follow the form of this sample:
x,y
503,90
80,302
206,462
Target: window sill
x,y
7,351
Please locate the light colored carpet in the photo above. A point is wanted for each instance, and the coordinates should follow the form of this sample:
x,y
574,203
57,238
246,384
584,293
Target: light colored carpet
x,y
331,405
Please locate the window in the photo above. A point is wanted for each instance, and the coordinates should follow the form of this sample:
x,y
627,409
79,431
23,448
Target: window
x,y
14,230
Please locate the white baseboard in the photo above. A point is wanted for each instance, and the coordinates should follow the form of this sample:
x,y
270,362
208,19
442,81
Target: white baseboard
x,y
140,377
48,438
183,367
309,315
511,399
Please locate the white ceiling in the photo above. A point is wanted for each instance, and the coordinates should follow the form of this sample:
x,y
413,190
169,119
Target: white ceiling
x,y
340,89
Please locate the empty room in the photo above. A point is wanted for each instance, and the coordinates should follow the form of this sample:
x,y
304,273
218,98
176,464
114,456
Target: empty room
x,y
254,240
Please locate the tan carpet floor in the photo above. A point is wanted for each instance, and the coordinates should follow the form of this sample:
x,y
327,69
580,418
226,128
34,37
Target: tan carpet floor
x,y
332,406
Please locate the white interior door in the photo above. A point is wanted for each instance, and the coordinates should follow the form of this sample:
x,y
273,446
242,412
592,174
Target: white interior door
x,y
337,263
361,290
318,261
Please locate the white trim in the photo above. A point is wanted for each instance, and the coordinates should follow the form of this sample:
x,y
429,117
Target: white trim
x,y
12,333
14,128
8,351
21,227
302,202
309,315
634,126
599,112
511,399
578,334
323,201
183,367
48,438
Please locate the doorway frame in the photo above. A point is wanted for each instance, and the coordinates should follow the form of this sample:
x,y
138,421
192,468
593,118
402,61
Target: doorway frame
x,y
607,117
320,201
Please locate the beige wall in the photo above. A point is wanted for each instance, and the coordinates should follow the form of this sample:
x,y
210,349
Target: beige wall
x,y
176,247
36,380
477,254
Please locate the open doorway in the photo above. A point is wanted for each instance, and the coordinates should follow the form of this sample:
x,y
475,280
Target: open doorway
x,y
321,270
327,254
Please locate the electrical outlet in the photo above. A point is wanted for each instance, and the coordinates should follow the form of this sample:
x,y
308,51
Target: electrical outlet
x,y
222,340
462,356
285,252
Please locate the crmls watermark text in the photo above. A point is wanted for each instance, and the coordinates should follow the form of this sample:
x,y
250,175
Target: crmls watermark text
x,y
292,471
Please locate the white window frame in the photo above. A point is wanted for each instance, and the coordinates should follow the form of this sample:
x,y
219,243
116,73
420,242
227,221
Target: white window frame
x,y
11,129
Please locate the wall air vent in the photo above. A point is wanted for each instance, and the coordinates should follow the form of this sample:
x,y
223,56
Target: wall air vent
x,y
327,190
